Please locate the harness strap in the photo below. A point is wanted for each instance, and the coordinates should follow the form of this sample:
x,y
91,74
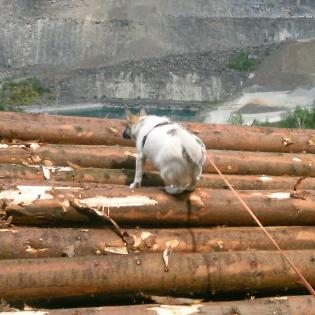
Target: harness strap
x,y
144,139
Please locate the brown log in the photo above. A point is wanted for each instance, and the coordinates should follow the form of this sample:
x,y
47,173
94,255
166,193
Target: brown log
x,y
80,130
91,175
15,173
229,162
145,273
22,242
289,305
152,206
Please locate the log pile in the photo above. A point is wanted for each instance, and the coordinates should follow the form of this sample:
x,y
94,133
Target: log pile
x,y
71,228
293,305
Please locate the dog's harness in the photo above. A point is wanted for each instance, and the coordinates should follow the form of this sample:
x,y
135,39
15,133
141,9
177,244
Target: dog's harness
x,y
144,139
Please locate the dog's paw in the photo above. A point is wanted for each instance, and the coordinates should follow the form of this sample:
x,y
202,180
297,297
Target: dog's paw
x,y
134,185
173,190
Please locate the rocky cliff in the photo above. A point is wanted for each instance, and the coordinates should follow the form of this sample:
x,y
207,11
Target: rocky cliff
x,y
153,49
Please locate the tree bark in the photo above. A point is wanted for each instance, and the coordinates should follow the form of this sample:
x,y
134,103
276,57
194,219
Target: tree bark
x,y
229,162
289,305
80,130
202,274
22,242
151,206
15,173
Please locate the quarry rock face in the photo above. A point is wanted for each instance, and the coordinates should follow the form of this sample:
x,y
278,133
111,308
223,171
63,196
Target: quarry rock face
x,y
82,45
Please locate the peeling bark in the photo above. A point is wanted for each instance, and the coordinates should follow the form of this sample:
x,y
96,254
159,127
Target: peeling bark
x,y
19,242
80,130
152,206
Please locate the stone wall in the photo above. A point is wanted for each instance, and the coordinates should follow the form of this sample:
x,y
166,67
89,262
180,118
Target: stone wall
x,y
92,32
81,47
198,77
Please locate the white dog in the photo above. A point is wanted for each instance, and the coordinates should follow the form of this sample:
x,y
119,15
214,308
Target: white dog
x,y
174,151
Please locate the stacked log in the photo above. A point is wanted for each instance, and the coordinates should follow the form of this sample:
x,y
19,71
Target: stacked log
x,y
293,305
36,242
41,203
196,273
71,227
80,130
37,173
112,157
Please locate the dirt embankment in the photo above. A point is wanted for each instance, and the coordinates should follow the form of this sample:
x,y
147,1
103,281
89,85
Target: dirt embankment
x,y
292,66
284,80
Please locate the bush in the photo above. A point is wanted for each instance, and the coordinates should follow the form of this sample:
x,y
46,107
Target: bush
x,y
242,62
300,118
22,92
236,119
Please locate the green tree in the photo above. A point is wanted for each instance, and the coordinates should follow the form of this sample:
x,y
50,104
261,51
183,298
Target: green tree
x,y
300,117
236,119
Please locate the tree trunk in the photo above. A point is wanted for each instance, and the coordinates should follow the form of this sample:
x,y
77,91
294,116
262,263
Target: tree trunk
x,y
79,130
22,242
229,162
151,206
125,177
145,273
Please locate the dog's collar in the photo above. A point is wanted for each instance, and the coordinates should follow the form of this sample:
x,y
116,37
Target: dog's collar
x,y
144,139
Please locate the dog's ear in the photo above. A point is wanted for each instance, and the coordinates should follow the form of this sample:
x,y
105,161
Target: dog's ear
x,y
142,112
129,115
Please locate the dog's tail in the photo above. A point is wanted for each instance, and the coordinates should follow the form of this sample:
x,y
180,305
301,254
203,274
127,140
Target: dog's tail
x,y
194,149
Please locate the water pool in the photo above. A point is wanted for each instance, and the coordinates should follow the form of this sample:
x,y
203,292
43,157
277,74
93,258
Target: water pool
x,y
183,114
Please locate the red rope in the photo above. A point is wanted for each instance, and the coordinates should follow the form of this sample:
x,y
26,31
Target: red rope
x,y
305,282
